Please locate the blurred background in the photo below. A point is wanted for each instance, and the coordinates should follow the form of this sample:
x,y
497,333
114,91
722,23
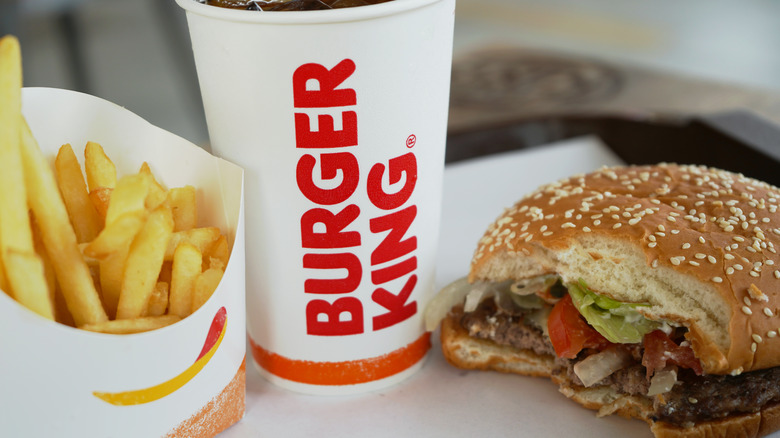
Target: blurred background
x,y
513,59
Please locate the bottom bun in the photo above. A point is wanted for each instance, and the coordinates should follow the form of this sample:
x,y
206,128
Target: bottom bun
x,y
466,352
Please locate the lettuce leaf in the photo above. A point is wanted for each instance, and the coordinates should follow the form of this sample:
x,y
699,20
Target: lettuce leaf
x,y
616,321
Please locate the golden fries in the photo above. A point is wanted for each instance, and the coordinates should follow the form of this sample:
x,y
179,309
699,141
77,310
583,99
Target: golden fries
x,y
187,261
184,207
103,254
83,215
144,262
58,236
23,270
100,170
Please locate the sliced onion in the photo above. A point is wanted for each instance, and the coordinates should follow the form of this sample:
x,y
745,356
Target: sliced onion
x,y
446,299
533,285
476,294
597,367
663,381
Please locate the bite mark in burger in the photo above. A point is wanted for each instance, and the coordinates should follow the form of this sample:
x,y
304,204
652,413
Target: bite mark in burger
x,y
647,291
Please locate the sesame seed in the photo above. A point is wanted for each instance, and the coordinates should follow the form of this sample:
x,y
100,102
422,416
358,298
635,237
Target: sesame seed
x,y
711,259
768,312
738,267
675,231
753,347
771,334
694,263
746,310
754,274
728,256
662,228
675,261
586,229
652,244
700,256
701,239
747,301
730,270
686,245
692,400
651,238
634,221
717,279
616,226
597,222
547,233
655,263
739,238
671,219
658,233
568,225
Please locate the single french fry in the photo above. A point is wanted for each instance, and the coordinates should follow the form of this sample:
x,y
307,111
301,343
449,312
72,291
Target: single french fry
x,y
184,206
128,196
15,229
116,236
100,170
205,285
58,236
82,213
135,325
28,281
157,194
201,238
112,269
100,198
186,268
219,254
158,302
144,262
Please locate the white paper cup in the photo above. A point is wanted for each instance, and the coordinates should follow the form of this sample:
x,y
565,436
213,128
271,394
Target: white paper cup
x,y
59,381
339,119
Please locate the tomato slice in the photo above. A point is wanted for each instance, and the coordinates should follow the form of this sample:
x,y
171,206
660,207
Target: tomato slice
x,y
660,349
569,332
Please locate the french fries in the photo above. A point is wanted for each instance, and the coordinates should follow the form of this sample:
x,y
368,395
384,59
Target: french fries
x,y
107,254
23,269
83,215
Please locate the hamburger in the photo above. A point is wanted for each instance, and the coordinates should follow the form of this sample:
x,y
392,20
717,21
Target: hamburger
x,y
651,292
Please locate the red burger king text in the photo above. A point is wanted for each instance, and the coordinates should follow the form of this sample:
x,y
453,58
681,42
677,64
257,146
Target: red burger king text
x,y
333,309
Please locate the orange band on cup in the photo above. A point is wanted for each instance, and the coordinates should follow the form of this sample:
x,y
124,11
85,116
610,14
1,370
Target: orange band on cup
x,y
342,373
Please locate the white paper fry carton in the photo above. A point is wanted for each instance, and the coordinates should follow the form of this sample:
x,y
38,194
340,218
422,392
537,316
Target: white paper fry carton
x,y
184,380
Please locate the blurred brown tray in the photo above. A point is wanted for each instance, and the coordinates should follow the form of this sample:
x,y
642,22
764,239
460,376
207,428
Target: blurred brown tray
x,y
737,141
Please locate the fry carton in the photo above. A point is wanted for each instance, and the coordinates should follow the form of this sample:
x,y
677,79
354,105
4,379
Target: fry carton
x,y
183,380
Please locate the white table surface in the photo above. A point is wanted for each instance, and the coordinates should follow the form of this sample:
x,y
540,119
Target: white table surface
x,y
440,400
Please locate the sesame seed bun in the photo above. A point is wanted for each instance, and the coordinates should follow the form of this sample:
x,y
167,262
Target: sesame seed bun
x,y
696,244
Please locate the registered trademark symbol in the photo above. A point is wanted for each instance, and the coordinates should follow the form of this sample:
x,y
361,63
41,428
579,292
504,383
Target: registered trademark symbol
x,y
411,141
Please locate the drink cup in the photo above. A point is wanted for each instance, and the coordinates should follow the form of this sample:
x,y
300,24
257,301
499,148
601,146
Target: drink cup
x,y
339,120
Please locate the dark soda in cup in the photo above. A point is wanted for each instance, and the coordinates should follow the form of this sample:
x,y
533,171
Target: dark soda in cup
x,y
291,5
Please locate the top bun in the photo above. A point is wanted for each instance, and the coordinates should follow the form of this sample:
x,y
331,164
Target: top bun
x,y
697,244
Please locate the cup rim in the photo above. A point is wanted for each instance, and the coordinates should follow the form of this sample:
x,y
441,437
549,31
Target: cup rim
x,y
360,13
